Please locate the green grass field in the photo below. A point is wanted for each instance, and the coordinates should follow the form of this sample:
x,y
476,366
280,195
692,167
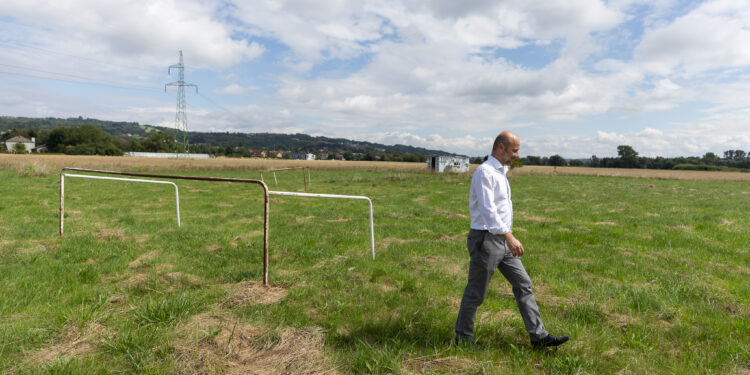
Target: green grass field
x,y
647,276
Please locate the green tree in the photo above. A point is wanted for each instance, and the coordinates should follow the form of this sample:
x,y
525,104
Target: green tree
x,y
159,142
348,155
710,158
628,156
557,161
19,148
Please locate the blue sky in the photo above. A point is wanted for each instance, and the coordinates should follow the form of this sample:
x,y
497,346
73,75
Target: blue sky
x,y
571,77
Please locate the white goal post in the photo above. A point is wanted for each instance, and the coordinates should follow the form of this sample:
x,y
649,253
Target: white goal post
x,y
62,191
372,230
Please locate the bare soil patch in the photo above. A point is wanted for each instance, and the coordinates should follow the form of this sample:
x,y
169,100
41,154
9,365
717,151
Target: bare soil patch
x,y
681,227
253,293
538,219
73,342
609,223
111,234
143,259
231,347
451,215
388,242
133,282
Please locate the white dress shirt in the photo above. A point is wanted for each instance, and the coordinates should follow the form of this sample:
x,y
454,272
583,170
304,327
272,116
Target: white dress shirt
x,y
489,198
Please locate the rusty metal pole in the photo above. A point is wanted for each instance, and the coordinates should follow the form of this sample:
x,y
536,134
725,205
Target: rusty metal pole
x,y
303,178
266,212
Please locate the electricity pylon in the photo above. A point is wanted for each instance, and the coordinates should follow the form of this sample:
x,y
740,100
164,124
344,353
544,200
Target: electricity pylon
x,y
180,120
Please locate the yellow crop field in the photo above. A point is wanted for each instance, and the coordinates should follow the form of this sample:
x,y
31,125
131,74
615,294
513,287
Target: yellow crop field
x,y
49,164
635,173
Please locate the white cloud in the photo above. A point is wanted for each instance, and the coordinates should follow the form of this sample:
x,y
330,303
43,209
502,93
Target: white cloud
x,y
134,32
713,36
232,89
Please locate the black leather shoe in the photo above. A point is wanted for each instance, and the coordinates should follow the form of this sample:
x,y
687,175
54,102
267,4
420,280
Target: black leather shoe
x,y
467,342
549,340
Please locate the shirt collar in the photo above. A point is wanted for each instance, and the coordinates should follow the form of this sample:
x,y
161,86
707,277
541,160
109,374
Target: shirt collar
x,y
494,163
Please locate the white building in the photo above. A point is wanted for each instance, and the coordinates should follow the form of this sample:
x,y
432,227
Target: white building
x,y
30,144
448,163
303,156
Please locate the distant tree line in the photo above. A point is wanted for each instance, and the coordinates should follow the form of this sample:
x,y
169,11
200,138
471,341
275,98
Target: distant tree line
x,y
89,139
132,136
628,158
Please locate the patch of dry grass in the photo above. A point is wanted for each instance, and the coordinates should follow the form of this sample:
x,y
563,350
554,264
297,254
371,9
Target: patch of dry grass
x,y
253,292
218,344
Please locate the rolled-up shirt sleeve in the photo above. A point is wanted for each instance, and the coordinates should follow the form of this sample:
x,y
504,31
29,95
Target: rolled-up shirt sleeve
x,y
489,204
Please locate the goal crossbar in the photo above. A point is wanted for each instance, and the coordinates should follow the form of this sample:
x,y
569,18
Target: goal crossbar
x,y
62,191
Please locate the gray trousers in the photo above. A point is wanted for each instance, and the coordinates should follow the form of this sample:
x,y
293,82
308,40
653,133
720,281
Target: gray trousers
x,y
489,252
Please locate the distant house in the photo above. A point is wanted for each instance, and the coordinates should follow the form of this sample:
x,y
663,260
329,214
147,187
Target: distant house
x,y
448,163
30,144
303,156
259,153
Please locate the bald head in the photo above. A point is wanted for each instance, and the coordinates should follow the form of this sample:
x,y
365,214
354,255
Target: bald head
x,y
506,146
507,138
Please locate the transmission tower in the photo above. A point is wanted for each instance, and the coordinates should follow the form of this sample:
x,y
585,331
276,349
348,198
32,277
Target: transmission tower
x,y
180,119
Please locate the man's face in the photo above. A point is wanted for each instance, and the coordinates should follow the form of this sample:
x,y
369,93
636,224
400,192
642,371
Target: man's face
x,y
505,154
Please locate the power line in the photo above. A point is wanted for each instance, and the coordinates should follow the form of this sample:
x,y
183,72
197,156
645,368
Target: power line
x,y
21,45
213,102
89,82
114,83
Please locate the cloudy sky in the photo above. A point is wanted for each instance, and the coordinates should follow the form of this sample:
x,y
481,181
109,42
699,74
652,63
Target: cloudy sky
x,y
571,77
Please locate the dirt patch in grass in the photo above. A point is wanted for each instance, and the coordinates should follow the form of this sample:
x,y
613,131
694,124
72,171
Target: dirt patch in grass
x,y
445,365
218,344
117,299
388,242
73,342
454,237
680,227
133,282
302,219
111,234
143,259
538,219
387,286
608,223
180,277
620,320
451,214
425,231
442,264
253,293
338,219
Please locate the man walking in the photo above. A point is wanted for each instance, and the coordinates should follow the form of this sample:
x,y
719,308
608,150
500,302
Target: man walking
x,y
492,245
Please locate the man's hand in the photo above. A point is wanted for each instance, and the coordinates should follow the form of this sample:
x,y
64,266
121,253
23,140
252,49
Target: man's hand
x,y
513,244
